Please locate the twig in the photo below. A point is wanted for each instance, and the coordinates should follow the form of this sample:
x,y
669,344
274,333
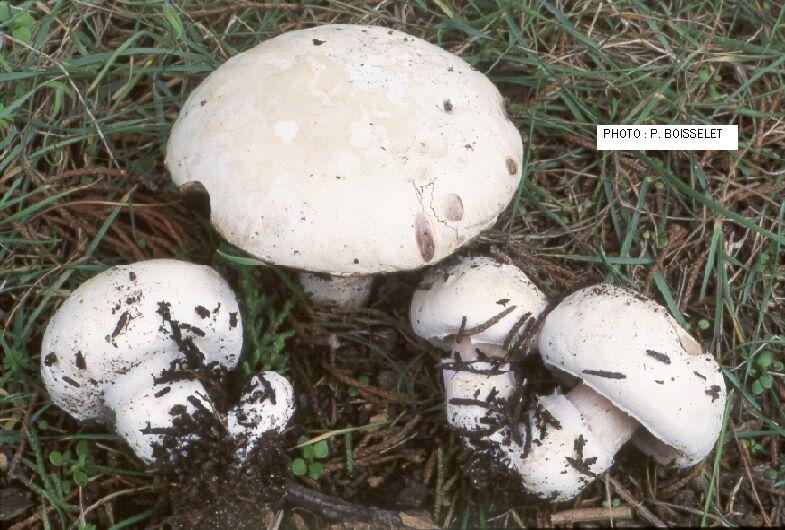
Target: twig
x,y
625,494
482,327
19,450
86,172
581,515
240,6
340,510
745,459
361,387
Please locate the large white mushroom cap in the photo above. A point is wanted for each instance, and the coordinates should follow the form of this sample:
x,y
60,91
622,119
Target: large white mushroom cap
x,y
633,352
111,331
478,289
348,150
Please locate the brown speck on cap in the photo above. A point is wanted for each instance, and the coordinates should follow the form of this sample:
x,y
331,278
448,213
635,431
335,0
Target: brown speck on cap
x,y
50,359
512,166
453,207
659,356
317,42
80,362
424,237
447,104
202,311
132,276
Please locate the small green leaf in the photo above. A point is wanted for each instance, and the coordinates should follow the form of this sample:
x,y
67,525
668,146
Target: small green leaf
x,y
756,388
315,470
80,477
779,366
703,323
770,474
82,449
616,503
42,425
321,449
56,458
171,16
763,361
22,33
766,381
24,20
308,452
299,467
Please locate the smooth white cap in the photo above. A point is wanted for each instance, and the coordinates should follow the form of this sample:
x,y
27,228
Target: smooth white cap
x,y
479,289
266,406
632,351
348,149
111,326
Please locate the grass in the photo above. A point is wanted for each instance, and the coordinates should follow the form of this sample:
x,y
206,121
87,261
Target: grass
x,y
89,90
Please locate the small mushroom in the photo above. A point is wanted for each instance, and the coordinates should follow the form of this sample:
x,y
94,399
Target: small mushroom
x,y
357,156
637,367
266,406
475,309
134,346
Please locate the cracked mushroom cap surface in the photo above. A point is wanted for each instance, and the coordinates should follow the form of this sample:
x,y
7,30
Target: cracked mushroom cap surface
x,y
633,352
299,137
121,326
480,289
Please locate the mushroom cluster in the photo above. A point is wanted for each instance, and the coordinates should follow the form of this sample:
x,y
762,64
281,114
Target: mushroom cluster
x,y
145,347
345,151
634,371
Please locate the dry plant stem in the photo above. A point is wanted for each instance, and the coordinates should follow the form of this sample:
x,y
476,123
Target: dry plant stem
x,y
627,497
340,510
585,515
745,458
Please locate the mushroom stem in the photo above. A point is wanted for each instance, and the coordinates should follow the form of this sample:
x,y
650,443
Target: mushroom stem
x,y
474,389
348,292
612,426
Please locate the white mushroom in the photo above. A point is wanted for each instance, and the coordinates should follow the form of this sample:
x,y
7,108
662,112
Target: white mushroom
x,y
266,406
477,308
125,345
638,367
347,150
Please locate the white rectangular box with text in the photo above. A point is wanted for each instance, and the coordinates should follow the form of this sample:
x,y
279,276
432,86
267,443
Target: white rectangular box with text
x,y
667,137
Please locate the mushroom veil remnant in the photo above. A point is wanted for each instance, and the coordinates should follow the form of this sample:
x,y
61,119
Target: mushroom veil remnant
x,y
345,151
141,346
